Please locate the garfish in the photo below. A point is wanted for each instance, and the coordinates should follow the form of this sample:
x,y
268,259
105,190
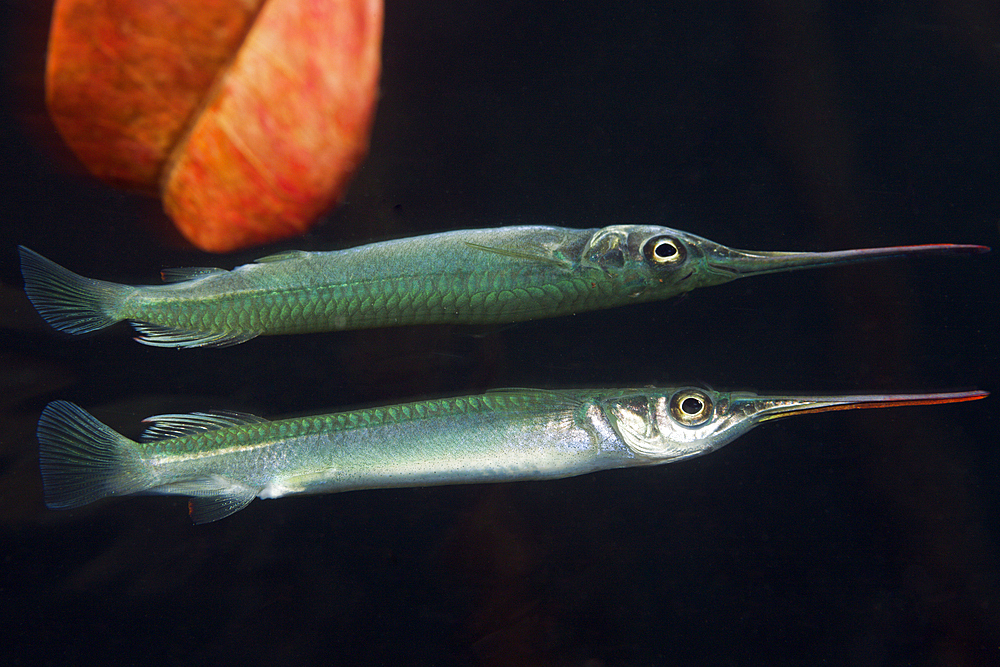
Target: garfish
x,y
223,460
477,276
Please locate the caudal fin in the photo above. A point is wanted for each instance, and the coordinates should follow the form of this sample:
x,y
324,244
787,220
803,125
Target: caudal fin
x,y
69,302
82,460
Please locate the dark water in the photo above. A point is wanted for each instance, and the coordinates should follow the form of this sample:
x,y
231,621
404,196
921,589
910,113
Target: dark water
x,y
847,539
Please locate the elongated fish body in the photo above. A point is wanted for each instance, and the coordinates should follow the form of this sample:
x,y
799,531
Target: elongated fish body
x,y
224,460
439,278
484,276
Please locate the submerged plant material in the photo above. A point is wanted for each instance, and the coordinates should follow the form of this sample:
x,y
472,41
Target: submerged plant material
x,y
248,118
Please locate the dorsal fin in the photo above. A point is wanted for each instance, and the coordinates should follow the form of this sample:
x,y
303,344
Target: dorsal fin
x,y
177,425
282,256
179,275
519,253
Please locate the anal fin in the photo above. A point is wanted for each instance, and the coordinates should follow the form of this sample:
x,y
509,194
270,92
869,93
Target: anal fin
x,y
213,497
156,335
204,509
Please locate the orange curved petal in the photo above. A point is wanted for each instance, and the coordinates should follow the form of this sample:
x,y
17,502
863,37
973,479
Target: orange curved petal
x,y
250,118
283,130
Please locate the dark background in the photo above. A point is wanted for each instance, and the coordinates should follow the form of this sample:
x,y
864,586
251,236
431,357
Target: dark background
x,y
864,538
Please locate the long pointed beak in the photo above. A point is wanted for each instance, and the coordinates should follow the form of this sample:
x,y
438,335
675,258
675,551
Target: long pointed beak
x,y
739,263
765,408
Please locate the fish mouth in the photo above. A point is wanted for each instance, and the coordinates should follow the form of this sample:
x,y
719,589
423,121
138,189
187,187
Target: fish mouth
x,y
734,263
766,408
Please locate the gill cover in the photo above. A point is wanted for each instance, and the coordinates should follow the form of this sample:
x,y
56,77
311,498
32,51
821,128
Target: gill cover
x,y
683,423
642,257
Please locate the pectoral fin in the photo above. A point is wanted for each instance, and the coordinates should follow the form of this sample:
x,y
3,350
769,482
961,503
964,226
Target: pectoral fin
x,y
282,256
542,254
551,399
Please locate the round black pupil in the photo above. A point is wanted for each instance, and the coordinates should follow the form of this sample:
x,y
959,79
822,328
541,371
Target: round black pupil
x,y
665,249
691,406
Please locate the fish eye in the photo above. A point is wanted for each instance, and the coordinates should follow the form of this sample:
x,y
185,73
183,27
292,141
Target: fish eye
x,y
664,250
691,407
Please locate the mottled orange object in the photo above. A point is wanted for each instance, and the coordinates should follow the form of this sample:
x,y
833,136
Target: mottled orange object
x,y
249,118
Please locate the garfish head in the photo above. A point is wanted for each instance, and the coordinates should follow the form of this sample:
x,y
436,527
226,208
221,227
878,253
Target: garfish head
x,y
667,425
651,262
664,425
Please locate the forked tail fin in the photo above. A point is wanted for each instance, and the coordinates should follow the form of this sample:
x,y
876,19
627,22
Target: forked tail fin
x,y
69,302
83,460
